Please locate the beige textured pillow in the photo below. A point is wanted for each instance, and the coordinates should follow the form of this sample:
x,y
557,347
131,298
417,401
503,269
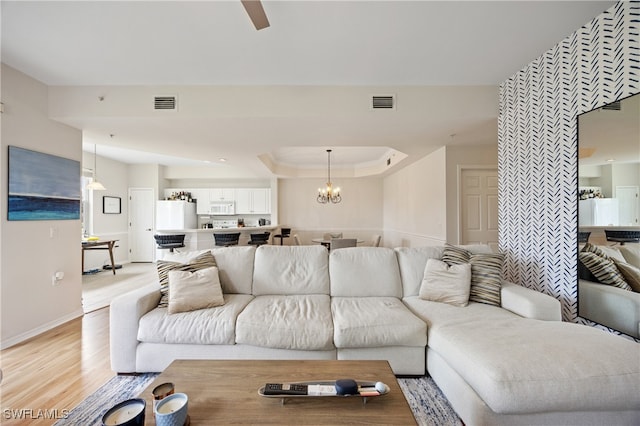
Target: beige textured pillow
x,y
446,284
201,261
189,291
630,273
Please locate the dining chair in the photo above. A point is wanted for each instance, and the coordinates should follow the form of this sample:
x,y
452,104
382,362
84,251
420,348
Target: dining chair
x,y
375,242
296,240
331,235
337,243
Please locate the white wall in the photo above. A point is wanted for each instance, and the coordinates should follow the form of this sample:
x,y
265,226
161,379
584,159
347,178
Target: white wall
x,y
415,203
30,256
358,215
115,178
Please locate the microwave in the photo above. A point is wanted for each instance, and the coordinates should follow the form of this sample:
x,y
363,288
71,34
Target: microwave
x,y
222,208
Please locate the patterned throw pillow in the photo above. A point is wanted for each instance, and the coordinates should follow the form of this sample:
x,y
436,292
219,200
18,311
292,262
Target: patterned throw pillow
x,y
603,269
205,260
454,255
486,278
486,273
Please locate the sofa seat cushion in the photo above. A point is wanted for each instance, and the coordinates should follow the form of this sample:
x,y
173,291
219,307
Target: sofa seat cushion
x,y
437,314
211,326
366,322
301,322
519,365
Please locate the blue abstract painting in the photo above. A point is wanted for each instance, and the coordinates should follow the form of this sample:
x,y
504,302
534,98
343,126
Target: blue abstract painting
x,y
43,186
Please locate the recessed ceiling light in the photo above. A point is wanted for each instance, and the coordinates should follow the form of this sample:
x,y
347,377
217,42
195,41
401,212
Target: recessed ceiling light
x,y
222,160
610,160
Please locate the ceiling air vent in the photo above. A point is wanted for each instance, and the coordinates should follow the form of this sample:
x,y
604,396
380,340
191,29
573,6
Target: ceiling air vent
x,y
164,103
613,106
383,102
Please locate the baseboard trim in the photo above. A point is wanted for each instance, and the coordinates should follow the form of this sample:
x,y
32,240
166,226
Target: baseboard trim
x,y
39,330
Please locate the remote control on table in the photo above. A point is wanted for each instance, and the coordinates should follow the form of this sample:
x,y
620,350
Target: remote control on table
x,y
285,389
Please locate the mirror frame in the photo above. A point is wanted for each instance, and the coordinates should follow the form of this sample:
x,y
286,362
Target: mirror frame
x,y
577,192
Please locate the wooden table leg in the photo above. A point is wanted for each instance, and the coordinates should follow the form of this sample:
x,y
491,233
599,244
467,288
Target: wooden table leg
x,y
113,265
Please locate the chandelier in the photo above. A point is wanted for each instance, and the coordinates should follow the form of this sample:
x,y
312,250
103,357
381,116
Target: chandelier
x,y
328,194
94,185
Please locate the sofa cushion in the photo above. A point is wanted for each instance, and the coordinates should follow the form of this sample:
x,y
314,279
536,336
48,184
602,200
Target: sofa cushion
x,y
447,284
189,262
412,262
630,273
437,314
291,270
631,254
486,278
486,272
568,370
491,349
212,326
366,322
235,268
189,291
365,272
287,322
603,269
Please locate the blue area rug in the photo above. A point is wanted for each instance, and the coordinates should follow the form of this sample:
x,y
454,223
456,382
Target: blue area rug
x,y
428,403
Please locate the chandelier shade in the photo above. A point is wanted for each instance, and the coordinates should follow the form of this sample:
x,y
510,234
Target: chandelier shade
x,y
329,194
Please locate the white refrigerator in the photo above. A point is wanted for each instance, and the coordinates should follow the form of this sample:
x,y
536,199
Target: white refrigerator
x,y
598,212
176,215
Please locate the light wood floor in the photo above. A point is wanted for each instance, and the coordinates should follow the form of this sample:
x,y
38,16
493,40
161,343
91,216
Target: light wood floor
x,y
55,370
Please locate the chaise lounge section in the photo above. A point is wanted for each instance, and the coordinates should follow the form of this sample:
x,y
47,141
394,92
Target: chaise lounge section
x,y
516,363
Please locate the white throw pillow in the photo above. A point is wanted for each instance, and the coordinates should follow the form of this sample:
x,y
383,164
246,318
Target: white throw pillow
x,y
446,284
189,291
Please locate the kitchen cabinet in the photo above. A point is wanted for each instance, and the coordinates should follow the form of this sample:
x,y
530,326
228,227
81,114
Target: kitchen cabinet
x,y
203,199
253,201
222,194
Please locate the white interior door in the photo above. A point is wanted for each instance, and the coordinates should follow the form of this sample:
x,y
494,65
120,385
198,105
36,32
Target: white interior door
x,y
629,205
141,243
479,207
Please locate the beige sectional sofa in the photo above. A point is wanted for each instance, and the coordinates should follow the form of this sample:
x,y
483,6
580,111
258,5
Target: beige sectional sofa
x,y
514,364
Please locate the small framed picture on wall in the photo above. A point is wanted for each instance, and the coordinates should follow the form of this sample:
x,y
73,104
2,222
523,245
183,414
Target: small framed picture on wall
x,y
111,205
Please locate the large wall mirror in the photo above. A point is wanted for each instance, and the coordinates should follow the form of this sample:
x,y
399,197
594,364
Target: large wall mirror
x,y
609,215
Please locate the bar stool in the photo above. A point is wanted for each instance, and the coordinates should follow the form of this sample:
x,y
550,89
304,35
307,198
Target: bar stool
x,y
284,233
226,239
170,242
259,239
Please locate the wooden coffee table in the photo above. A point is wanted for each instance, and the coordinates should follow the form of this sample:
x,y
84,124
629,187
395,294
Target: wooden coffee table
x,y
226,392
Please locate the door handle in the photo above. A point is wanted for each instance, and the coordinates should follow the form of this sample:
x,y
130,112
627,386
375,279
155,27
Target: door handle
x,y
148,229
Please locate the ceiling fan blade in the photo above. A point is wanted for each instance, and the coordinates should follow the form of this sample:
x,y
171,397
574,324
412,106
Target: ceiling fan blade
x,y
256,13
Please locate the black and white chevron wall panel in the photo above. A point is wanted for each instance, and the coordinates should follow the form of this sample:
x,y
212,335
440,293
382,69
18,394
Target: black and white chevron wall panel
x,y
538,150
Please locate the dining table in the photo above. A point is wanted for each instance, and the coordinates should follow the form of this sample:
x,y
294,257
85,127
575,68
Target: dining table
x,y
100,245
327,243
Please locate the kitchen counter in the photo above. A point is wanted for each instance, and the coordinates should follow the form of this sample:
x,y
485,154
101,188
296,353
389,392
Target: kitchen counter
x,y
202,239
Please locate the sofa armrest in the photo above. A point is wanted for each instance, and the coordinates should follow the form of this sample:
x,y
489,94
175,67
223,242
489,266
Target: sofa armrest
x,y
124,315
529,303
610,306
